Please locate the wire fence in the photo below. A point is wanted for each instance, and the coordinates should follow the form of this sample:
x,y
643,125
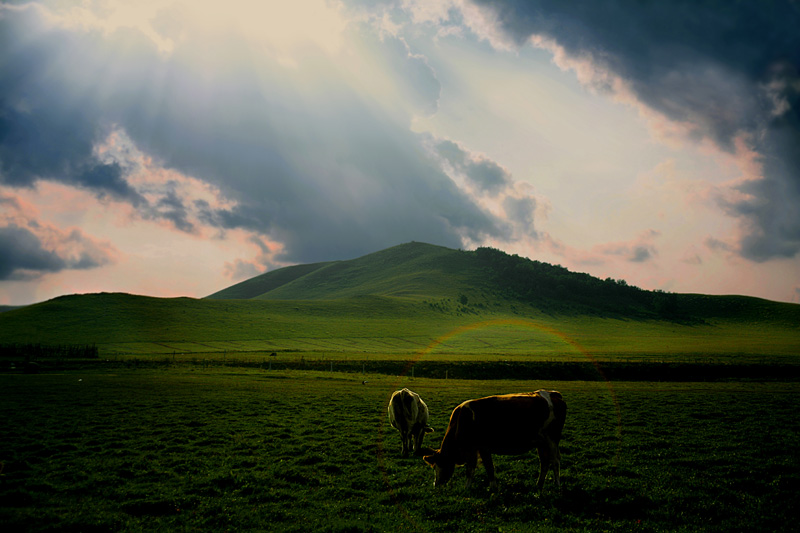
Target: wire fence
x,y
470,370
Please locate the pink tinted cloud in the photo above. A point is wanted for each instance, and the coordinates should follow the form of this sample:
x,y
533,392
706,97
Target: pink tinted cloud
x,y
172,199
638,250
263,261
47,248
761,201
240,269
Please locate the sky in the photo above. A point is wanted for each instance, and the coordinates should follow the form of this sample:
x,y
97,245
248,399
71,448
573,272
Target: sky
x,y
172,148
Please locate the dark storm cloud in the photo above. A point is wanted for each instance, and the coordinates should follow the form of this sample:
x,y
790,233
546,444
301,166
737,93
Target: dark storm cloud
x,y
171,207
772,207
47,131
641,253
37,144
22,255
639,250
726,68
488,179
521,212
483,173
633,253
106,179
317,167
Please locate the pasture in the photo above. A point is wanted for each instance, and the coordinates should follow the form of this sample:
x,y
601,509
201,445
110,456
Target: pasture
x,y
373,328
188,448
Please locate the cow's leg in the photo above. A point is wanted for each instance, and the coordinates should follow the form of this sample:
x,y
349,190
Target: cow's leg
x,y
488,464
544,464
405,438
549,457
420,435
555,462
416,438
472,463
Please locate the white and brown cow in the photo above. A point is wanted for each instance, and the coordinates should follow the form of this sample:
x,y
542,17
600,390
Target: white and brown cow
x,y
510,424
409,415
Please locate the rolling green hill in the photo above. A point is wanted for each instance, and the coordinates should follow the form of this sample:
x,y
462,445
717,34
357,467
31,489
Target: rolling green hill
x,y
490,279
263,284
418,299
409,270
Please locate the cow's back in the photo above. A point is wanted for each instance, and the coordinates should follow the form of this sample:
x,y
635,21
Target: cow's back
x,y
508,424
406,409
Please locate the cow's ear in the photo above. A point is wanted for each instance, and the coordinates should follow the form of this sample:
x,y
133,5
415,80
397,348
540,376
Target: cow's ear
x,y
429,429
430,459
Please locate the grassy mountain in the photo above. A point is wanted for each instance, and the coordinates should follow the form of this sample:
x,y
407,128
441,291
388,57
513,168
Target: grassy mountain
x,y
487,278
406,298
408,270
263,284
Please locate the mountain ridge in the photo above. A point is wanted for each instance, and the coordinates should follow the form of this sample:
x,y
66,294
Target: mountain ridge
x,y
484,277
394,271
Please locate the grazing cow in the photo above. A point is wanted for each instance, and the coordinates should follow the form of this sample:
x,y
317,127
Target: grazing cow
x,y
409,415
510,424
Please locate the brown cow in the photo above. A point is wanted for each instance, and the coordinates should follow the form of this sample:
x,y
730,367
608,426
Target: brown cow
x,y
510,424
409,415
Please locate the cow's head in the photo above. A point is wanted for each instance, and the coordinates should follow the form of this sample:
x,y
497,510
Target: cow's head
x,y
441,466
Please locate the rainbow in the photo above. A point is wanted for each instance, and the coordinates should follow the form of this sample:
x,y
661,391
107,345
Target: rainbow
x,y
535,326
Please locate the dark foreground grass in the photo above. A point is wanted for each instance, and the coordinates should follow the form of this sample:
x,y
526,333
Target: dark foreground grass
x,y
215,450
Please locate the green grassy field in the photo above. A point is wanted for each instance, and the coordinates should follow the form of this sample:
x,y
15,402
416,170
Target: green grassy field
x,y
417,300
123,325
186,420
183,448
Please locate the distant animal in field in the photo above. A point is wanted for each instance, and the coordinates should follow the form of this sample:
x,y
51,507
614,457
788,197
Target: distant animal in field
x,y
510,424
409,415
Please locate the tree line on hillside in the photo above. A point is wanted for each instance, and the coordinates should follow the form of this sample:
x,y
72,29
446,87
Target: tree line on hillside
x,y
554,287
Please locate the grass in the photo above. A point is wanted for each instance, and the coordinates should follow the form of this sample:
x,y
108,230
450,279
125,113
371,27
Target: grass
x,y
382,327
191,449
182,442
409,270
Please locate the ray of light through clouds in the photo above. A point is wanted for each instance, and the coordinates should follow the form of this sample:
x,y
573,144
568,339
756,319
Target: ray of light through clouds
x,y
173,148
